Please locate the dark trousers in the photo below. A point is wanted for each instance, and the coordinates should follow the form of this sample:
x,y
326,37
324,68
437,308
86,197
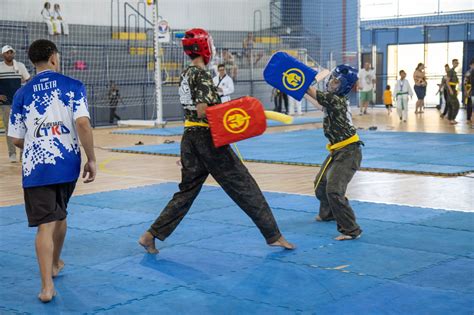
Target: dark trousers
x,y
469,107
281,98
199,158
331,190
113,111
453,105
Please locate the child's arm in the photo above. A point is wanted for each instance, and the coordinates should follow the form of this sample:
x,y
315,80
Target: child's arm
x,y
311,97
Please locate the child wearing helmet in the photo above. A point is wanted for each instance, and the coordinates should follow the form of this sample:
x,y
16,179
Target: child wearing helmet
x,y
199,156
344,148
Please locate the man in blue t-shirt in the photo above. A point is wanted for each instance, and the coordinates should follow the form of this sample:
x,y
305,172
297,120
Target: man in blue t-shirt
x,y
48,115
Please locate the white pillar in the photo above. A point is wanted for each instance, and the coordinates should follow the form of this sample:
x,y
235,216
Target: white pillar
x,y
158,83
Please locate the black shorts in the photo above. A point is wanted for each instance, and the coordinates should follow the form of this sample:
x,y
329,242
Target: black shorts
x,y
46,204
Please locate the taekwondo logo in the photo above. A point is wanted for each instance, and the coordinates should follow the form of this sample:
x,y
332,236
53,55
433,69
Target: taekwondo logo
x,y
56,128
293,79
236,120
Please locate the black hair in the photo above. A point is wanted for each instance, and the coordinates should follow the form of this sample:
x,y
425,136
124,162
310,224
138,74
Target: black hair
x,y
472,61
40,51
46,4
221,65
387,87
401,71
455,59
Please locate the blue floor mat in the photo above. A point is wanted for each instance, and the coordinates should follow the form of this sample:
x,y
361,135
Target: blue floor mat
x,y
406,152
394,298
409,260
193,301
177,131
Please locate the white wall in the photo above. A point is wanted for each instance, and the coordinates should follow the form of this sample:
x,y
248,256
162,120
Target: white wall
x,y
227,15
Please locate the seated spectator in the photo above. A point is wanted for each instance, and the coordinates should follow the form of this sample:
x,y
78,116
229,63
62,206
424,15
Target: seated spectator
x,y
249,51
54,26
60,20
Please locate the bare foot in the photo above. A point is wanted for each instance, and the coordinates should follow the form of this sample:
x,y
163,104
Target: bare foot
x,y
344,237
318,218
57,269
282,242
148,242
46,295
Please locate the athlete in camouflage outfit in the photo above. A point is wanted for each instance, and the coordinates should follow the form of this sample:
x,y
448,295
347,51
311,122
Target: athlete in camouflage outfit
x,y
345,153
199,158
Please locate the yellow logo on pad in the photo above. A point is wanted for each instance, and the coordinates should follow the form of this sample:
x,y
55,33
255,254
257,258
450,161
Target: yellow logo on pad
x,y
236,120
293,79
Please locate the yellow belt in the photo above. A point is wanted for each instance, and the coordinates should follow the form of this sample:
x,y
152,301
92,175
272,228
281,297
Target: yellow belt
x,y
333,147
342,144
188,123
453,83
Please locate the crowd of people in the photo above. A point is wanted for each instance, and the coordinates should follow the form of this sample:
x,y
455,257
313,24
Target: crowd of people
x,y
449,89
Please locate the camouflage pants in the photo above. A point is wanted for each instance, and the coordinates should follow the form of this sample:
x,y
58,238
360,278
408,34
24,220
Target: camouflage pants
x,y
332,187
199,158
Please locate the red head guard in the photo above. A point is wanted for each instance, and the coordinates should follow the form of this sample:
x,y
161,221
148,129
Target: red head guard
x,y
197,41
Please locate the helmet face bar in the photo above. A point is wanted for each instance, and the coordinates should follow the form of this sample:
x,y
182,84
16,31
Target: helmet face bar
x,y
347,76
198,42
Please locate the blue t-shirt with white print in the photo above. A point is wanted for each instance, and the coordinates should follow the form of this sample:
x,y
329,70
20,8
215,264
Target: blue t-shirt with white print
x,y
43,113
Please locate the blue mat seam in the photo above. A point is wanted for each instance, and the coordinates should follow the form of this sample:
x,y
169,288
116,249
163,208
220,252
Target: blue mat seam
x,y
243,299
419,250
9,309
111,307
439,263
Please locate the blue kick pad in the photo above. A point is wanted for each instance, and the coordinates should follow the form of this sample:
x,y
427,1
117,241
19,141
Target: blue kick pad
x,y
401,152
177,131
409,260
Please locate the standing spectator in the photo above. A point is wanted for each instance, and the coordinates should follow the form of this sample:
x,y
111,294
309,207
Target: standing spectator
x,y
223,83
12,75
444,85
229,61
48,115
366,87
387,99
294,104
402,91
468,90
60,20
453,102
114,96
54,26
279,97
420,87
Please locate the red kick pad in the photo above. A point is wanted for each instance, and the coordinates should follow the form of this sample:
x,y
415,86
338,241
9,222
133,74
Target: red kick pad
x,y
236,120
